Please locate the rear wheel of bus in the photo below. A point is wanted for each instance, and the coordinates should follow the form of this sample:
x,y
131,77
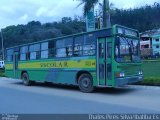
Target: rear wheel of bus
x,y
25,78
85,83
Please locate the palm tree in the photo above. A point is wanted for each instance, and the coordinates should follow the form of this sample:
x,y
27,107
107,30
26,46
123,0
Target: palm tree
x,y
88,4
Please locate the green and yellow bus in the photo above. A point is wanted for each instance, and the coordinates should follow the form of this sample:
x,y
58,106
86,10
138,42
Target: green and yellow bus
x,y
103,58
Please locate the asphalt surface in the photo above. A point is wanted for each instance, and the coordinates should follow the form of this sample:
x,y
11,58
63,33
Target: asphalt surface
x,y
59,99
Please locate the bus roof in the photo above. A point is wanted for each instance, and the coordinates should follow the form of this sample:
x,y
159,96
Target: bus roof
x,y
116,25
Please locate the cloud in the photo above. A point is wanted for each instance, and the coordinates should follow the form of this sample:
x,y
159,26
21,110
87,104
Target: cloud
x,y
128,5
13,12
23,11
65,8
7,9
24,17
42,11
60,9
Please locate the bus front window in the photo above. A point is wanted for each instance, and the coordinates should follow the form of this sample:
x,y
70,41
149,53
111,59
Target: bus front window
x,y
127,50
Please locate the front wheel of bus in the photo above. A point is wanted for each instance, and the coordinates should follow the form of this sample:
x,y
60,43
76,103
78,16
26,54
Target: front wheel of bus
x,y
85,83
25,78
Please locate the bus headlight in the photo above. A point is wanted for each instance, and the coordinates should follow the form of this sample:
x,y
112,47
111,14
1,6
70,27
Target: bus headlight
x,y
140,72
120,74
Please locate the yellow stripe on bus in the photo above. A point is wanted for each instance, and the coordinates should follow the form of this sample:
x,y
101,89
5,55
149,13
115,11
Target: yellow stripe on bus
x,y
59,64
9,66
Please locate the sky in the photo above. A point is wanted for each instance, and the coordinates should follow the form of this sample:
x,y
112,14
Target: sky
x,y
14,12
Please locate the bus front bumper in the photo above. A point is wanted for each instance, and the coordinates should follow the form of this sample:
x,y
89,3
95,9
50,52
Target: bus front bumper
x,y
128,80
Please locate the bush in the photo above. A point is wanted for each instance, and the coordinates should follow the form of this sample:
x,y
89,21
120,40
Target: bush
x,y
2,74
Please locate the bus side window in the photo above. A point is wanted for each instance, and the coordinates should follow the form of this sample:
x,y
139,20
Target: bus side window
x,y
9,58
109,71
9,55
86,49
23,53
78,45
89,50
77,50
69,46
69,51
34,51
31,50
37,50
89,47
51,49
109,49
61,52
60,49
32,55
44,50
101,50
93,49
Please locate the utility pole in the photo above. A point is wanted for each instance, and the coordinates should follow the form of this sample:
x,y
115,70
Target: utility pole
x,y
2,45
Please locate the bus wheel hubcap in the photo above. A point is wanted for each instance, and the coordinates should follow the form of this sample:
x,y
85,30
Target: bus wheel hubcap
x,y
25,79
85,82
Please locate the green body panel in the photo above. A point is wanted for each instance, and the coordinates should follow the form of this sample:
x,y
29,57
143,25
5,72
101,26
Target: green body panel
x,y
9,69
54,70
129,69
9,73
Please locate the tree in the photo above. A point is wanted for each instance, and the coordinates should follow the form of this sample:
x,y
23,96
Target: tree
x,y
88,4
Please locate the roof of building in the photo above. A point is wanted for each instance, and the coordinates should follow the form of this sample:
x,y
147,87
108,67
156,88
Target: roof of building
x,y
151,33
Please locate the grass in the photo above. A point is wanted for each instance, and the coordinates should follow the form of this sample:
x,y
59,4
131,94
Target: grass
x,y
152,81
2,73
151,72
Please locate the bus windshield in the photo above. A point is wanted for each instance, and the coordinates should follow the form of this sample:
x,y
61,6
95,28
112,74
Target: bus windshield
x,y
127,50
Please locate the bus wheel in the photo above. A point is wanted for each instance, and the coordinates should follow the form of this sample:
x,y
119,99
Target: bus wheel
x,y
25,78
85,83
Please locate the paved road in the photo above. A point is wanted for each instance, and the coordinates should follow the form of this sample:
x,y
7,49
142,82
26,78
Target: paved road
x,y
52,99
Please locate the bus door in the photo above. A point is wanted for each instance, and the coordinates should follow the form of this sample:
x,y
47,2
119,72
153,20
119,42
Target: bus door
x,y
104,53
15,64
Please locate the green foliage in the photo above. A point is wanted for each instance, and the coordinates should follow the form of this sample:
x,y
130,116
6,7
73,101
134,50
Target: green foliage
x,y
105,9
35,31
144,18
88,4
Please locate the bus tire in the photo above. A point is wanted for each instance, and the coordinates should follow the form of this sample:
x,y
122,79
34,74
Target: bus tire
x,y
26,81
85,83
